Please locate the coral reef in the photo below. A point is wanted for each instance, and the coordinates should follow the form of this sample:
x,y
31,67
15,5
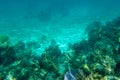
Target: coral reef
x,y
95,58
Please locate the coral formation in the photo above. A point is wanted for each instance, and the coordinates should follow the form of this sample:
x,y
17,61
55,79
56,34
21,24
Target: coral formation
x,y
95,58
4,40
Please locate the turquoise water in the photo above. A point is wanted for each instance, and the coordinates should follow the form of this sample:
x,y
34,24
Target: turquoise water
x,y
64,20
44,21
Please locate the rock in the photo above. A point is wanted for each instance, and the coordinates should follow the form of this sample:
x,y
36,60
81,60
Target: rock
x,y
4,40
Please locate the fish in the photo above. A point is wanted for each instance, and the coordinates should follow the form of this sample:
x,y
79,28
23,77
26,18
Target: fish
x,y
70,75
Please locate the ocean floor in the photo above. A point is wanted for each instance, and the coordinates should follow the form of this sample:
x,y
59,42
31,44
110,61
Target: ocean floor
x,y
62,49
63,30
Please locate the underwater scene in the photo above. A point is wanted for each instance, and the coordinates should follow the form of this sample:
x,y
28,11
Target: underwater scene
x,y
59,39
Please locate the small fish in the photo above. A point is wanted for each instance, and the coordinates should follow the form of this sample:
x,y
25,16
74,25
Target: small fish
x,y
70,75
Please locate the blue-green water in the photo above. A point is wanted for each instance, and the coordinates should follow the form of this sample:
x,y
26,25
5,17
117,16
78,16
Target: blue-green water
x,y
38,23
64,20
